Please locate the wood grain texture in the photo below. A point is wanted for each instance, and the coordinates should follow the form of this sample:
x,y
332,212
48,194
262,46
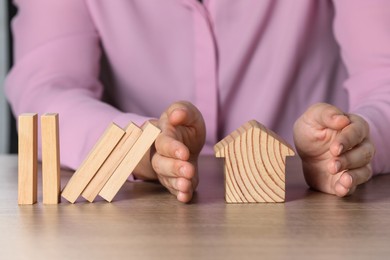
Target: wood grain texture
x,y
93,162
105,172
51,179
255,159
131,160
27,158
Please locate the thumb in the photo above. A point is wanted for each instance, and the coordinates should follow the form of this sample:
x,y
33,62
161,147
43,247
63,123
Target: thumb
x,y
186,114
327,116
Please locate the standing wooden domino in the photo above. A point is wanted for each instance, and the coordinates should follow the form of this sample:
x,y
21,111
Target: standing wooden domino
x,y
255,159
131,160
92,163
51,181
27,158
112,162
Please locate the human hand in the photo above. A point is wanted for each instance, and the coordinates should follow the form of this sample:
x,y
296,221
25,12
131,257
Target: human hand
x,y
335,149
174,158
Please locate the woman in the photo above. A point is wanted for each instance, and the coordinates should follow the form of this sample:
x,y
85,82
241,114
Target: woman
x,y
321,65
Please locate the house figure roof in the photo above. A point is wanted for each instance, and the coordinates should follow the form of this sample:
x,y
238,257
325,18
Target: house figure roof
x,y
255,160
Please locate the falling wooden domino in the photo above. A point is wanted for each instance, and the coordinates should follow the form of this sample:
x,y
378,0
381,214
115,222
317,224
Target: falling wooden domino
x,y
255,159
51,181
92,163
132,158
105,172
27,158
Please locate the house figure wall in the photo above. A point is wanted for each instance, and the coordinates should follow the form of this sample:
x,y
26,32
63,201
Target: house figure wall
x,y
255,162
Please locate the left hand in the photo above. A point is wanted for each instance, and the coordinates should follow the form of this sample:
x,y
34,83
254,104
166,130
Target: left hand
x,y
335,149
174,158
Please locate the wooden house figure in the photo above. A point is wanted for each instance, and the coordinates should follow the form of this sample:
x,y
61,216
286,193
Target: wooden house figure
x,y
255,160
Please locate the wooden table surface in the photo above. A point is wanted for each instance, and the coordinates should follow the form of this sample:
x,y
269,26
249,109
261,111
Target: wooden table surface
x,y
145,222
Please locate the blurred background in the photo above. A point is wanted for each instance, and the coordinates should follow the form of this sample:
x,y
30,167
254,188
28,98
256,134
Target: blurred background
x,y
8,137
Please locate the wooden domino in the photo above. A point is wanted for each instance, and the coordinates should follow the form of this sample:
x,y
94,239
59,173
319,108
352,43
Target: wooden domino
x,y
92,163
255,159
27,158
131,160
105,172
51,181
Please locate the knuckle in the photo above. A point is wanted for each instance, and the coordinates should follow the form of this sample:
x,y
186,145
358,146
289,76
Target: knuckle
x,y
367,156
158,144
183,185
366,126
177,166
156,164
359,135
368,153
369,172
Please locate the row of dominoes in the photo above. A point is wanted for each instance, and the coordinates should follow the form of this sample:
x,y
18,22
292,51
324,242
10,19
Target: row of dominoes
x,y
255,159
103,172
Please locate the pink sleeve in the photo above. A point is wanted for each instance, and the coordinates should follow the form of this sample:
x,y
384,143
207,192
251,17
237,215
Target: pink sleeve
x,y
362,29
57,57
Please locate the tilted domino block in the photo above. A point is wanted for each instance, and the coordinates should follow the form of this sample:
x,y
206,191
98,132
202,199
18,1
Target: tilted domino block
x,y
115,158
131,160
92,163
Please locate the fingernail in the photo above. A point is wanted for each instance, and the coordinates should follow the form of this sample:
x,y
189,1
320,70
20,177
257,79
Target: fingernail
x,y
350,179
178,154
182,171
341,147
337,166
347,180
